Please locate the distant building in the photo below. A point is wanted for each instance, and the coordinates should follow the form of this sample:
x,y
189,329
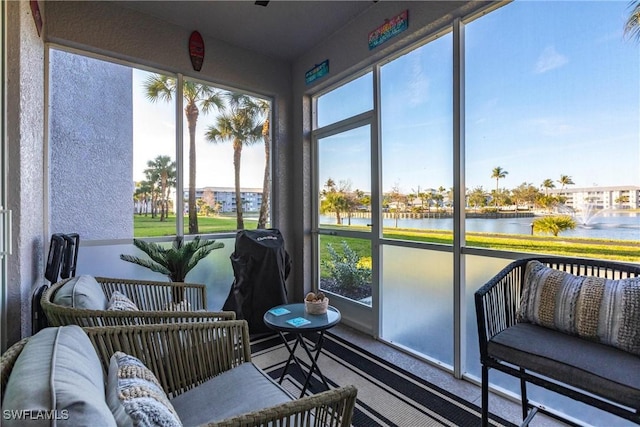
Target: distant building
x,y
225,198
622,197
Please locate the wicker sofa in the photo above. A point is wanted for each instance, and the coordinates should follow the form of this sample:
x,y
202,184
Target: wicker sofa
x,y
200,374
569,325
84,301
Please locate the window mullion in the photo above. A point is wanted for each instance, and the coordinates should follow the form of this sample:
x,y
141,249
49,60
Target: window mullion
x,y
179,157
376,204
459,306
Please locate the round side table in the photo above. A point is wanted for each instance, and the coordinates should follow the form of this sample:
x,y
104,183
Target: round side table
x,y
294,319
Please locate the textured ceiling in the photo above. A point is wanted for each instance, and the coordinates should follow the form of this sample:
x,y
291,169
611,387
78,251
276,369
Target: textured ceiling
x,y
282,29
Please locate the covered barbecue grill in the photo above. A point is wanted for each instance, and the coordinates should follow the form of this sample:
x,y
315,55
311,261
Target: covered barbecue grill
x,y
260,266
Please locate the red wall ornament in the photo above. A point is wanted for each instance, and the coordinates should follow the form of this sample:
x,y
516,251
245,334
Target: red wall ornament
x,y
37,16
196,50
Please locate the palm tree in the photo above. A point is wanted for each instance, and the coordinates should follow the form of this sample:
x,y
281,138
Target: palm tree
x,y
163,170
151,183
438,197
498,173
152,180
175,262
632,26
547,184
333,200
196,96
142,193
554,224
429,199
565,180
423,197
262,108
240,126
442,191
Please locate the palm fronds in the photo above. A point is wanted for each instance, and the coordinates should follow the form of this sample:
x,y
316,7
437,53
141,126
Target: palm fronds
x,y
632,26
176,261
554,224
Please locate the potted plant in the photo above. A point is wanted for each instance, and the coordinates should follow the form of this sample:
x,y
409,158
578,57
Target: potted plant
x,y
176,261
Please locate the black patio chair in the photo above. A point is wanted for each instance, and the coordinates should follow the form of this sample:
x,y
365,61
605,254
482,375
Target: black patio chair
x,y
61,263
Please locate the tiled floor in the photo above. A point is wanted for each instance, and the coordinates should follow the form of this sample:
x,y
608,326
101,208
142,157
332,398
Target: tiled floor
x,y
501,406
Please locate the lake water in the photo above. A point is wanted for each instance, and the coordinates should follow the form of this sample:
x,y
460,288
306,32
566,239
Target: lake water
x,y
617,226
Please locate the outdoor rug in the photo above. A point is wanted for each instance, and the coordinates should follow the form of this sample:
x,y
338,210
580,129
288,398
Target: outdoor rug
x,y
387,395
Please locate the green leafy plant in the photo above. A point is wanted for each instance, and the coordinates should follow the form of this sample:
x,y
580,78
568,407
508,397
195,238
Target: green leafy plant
x,y
554,224
176,261
345,268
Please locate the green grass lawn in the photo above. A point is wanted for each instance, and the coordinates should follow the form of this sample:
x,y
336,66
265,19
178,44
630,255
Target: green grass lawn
x,y
576,247
145,226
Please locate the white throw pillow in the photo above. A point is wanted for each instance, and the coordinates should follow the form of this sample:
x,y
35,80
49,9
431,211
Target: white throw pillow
x,y
120,302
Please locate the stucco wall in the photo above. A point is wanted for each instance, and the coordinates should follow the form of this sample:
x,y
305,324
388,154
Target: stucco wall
x,y
108,29
90,147
25,121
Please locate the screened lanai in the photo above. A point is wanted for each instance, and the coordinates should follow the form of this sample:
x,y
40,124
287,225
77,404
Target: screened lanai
x,y
416,143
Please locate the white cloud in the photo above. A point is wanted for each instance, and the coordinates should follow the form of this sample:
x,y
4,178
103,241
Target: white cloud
x,y
550,59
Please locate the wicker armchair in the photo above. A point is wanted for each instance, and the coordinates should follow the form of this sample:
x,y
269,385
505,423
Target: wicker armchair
x,y
7,361
197,353
154,300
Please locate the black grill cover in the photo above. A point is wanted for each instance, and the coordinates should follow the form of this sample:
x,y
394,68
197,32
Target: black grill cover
x,y
260,266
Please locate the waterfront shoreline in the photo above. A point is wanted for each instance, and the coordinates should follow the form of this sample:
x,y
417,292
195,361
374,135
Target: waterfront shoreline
x,y
474,214
620,225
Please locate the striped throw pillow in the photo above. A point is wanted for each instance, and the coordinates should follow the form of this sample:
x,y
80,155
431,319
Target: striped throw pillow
x,y
135,396
602,310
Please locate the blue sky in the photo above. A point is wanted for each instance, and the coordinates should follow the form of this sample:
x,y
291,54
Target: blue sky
x,y
569,100
155,134
552,88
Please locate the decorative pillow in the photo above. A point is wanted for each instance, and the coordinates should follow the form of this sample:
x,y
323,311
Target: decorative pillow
x,y
135,396
594,308
81,292
120,302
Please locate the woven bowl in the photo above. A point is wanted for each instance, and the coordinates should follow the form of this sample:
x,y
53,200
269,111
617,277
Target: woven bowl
x,y
316,307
